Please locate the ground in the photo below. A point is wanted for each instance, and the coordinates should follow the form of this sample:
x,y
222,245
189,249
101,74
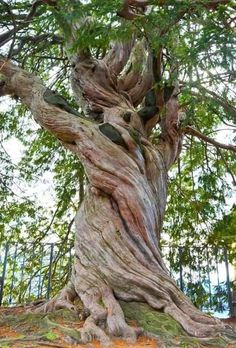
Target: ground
x,y
60,329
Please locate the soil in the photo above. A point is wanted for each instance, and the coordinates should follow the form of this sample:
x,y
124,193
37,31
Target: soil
x,y
21,330
7,332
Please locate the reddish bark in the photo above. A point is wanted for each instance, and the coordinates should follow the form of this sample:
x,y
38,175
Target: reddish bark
x,y
117,254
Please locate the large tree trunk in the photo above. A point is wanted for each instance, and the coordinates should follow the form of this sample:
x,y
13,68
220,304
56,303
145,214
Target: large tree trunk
x,y
117,237
117,254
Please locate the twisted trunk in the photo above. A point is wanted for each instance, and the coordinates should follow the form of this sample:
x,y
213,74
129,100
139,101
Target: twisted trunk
x,y
117,255
117,236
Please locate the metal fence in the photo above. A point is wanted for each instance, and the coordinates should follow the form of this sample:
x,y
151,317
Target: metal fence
x,y
204,274
29,272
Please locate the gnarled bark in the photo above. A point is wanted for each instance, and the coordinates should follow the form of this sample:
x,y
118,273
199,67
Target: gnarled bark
x,y
117,254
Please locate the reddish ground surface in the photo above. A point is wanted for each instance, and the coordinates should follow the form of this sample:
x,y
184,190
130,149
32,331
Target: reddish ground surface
x,y
10,333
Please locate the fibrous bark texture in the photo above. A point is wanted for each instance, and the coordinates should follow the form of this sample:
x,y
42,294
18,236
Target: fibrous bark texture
x,y
117,254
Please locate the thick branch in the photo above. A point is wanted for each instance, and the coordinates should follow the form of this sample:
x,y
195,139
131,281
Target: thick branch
x,y
144,83
192,131
50,39
213,4
137,78
132,8
95,87
31,91
170,142
118,55
157,93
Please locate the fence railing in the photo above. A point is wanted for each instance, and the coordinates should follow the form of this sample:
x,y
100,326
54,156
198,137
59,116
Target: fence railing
x,y
204,274
29,272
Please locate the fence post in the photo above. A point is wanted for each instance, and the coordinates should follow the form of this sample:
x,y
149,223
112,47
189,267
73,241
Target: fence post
x,y
13,274
228,282
40,274
209,278
2,279
181,269
233,304
50,271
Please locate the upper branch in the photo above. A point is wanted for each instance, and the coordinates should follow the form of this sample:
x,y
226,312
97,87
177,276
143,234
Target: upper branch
x,y
194,132
31,91
208,94
132,8
7,35
137,77
170,142
118,55
213,4
22,41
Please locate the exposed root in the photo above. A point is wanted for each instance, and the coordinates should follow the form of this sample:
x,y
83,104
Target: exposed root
x,y
194,322
192,327
106,318
91,331
65,299
106,314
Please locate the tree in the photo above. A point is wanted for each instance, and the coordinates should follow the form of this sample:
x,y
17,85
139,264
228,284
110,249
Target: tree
x,y
129,62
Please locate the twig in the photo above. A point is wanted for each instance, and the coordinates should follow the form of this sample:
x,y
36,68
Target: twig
x,y
192,131
4,63
6,36
25,339
47,344
227,167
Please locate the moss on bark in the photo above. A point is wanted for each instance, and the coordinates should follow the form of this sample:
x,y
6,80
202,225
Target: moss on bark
x,y
62,324
165,328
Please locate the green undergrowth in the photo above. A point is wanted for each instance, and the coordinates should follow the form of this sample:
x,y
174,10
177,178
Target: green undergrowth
x,y
36,328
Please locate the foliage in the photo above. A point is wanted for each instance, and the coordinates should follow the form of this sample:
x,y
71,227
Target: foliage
x,y
198,50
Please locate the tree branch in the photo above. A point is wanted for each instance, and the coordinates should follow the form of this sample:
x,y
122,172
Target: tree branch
x,y
30,89
132,8
170,140
135,8
194,132
215,97
5,37
213,4
118,55
137,78
50,39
